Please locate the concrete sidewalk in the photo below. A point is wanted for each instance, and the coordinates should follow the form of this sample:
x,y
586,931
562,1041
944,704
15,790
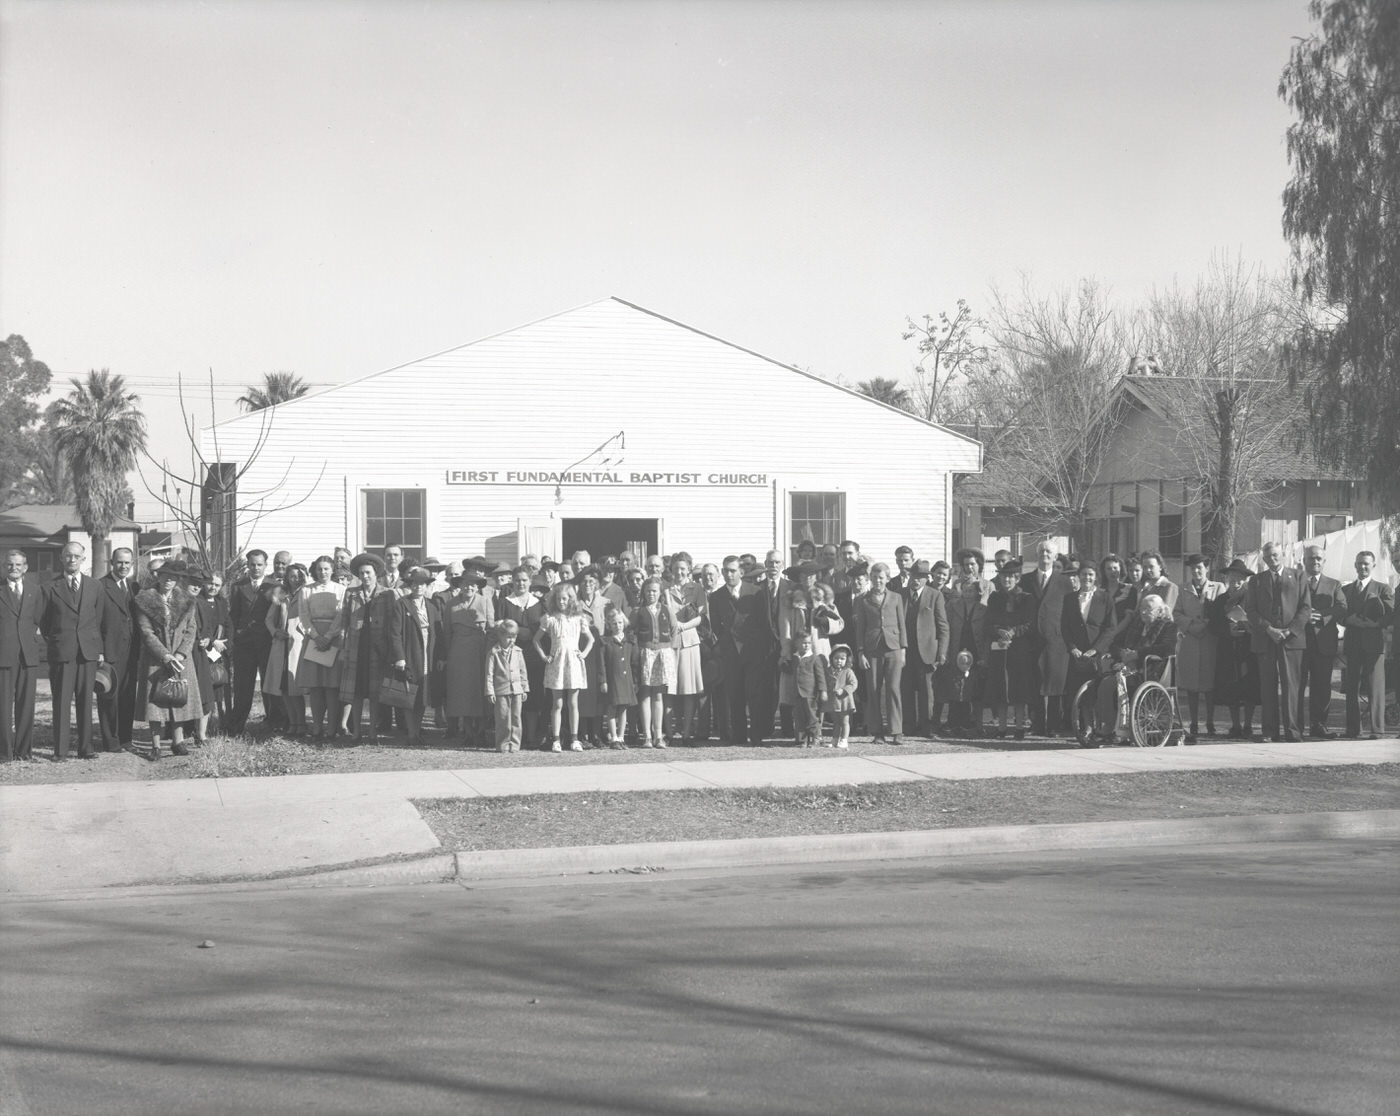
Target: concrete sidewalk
x,y
79,836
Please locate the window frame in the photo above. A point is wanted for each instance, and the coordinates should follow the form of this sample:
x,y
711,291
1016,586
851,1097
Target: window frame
x,y
842,519
416,551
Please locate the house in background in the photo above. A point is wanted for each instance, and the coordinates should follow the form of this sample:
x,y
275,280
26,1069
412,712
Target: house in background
x,y
41,531
1147,496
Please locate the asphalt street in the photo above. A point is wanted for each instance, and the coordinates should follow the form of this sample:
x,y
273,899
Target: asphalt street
x,y
1251,979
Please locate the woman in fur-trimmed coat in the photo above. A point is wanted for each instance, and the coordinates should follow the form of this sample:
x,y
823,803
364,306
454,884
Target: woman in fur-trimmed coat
x,y
168,620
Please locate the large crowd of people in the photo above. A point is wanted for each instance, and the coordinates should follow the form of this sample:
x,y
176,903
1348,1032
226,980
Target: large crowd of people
x,y
580,653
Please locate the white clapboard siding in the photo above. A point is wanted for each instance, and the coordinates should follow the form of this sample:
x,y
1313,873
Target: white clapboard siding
x,y
542,396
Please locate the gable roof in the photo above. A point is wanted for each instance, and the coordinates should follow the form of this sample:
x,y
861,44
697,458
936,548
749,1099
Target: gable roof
x,y
44,523
1169,398
619,302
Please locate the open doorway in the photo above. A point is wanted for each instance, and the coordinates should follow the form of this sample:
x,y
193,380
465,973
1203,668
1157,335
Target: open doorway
x,y
610,536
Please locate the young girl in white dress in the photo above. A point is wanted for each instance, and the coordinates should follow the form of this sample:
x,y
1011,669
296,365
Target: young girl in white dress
x,y
565,674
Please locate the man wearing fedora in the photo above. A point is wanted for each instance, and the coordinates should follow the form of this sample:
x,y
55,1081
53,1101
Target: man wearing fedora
x,y
71,620
121,647
20,656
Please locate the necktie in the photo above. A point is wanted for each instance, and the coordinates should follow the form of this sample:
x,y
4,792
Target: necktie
x,y
73,584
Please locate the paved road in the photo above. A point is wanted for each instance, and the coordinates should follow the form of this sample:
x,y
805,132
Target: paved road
x,y
1254,979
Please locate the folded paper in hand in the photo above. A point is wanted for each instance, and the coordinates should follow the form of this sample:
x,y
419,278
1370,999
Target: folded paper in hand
x,y
313,654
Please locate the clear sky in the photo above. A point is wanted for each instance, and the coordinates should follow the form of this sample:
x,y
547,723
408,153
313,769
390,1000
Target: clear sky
x,y
334,187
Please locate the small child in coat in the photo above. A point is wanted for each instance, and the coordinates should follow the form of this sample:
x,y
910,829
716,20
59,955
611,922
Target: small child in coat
x,y
809,686
841,686
619,681
506,685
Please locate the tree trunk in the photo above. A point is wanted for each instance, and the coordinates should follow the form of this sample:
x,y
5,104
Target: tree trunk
x,y
100,555
1218,523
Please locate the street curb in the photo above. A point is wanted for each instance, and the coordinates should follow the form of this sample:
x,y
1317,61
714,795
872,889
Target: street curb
x,y
754,852
777,852
830,848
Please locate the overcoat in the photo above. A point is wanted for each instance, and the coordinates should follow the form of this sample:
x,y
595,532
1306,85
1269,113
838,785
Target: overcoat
x,y
1196,648
405,645
1052,656
168,627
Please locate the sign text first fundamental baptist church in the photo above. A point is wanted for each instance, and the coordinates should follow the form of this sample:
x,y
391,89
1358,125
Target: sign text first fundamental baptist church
x,y
611,478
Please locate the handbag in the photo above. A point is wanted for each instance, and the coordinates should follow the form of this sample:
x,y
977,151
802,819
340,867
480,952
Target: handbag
x,y
399,693
218,673
171,692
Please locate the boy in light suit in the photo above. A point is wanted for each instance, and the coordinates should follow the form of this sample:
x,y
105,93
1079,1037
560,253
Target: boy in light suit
x,y
506,685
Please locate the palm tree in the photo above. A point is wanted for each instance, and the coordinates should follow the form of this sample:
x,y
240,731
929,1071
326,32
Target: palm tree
x,y
100,430
887,391
277,387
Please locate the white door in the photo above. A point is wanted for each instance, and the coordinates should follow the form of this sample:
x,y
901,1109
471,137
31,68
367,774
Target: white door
x,y
541,537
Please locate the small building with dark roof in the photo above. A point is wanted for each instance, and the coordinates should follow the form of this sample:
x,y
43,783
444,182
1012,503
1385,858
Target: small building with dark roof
x,y
41,531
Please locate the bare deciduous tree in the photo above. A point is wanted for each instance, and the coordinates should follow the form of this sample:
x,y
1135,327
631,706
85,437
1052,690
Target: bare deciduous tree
x,y
1051,429
1238,423
205,498
949,349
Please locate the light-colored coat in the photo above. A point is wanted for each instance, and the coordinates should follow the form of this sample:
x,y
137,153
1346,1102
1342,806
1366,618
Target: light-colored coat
x,y
1196,643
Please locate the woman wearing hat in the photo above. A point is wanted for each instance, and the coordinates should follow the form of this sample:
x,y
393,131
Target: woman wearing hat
x,y
1236,668
211,635
364,620
169,624
468,614
1011,680
794,595
415,643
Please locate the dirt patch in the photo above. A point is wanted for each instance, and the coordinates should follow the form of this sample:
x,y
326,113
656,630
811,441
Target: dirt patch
x,y
558,820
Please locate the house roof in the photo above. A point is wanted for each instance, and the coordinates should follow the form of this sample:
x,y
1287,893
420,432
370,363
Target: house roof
x,y
320,396
1169,398
44,523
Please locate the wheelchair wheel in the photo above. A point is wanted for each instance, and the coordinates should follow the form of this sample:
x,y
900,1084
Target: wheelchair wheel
x,y
1151,716
1084,714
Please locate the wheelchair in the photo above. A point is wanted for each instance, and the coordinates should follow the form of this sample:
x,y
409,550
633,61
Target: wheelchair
x,y
1153,719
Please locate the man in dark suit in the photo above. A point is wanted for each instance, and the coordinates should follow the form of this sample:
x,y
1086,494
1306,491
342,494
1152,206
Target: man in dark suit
x,y
121,647
71,620
20,655
1367,608
1322,595
773,589
732,613
1273,603
1049,588
251,640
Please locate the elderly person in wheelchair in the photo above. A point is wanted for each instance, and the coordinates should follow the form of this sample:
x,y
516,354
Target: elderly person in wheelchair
x,y
1141,652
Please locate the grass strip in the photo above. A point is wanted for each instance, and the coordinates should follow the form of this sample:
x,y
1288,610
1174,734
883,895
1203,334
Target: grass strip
x,y
612,818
